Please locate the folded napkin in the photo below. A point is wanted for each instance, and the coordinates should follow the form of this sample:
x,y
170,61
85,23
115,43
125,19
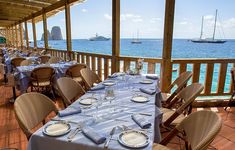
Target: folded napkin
x,y
153,77
93,135
148,91
113,75
69,111
142,122
98,87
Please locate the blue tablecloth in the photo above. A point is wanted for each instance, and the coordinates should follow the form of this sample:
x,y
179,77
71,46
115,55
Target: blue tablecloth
x,y
22,73
116,113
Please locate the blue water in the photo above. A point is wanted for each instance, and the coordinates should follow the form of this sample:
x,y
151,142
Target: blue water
x,y
153,48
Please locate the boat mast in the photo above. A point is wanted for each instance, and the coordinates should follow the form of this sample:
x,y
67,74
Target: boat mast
x,y
215,24
202,27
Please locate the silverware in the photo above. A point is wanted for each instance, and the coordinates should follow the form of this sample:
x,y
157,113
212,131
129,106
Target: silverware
x,y
68,121
72,134
106,144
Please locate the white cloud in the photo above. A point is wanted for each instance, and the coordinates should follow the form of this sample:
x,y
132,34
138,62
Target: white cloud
x,y
183,23
137,20
84,10
154,20
107,16
209,17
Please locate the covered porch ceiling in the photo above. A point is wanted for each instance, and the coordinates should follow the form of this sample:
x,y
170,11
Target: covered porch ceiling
x,y
16,11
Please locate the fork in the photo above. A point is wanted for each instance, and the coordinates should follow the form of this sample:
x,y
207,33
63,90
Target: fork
x,y
73,134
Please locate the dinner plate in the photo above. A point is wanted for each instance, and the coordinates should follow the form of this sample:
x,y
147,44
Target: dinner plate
x,y
87,101
57,129
140,99
146,81
133,139
108,83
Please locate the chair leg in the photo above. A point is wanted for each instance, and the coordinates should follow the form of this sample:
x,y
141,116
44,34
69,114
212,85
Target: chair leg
x,y
230,101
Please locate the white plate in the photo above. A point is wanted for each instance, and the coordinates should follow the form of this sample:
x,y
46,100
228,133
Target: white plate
x,y
88,101
146,81
57,129
108,83
140,99
133,139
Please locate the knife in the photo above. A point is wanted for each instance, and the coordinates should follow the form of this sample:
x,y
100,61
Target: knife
x,y
106,144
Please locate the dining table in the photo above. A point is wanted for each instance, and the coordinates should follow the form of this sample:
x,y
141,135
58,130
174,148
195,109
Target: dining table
x,y
104,114
22,74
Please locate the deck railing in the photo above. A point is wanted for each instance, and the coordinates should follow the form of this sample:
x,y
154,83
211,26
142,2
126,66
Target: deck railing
x,y
213,73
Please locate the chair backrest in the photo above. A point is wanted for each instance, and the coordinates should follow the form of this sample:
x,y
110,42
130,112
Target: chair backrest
x,y
17,61
69,90
180,82
233,77
42,74
89,77
26,62
187,96
44,59
199,129
74,70
54,60
31,109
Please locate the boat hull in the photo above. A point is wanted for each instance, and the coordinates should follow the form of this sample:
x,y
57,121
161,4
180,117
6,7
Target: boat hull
x,y
209,41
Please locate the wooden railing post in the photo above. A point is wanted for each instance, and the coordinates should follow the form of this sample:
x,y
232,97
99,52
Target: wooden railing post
x,y
34,33
115,35
12,35
26,34
166,66
68,27
44,17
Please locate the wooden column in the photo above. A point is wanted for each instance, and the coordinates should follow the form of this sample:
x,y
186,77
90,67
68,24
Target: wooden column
x,y
16,33
26,34
21,35
7,36
115,35
166,67
68,26
44,17
34,33
13,35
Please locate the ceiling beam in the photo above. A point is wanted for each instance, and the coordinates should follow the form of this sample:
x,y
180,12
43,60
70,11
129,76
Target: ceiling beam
x,y
25,3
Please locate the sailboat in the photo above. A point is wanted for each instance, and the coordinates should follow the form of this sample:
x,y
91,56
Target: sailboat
x,y
136,41
209,40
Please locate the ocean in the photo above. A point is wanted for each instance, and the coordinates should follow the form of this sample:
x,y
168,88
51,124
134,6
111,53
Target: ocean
x,y
182,48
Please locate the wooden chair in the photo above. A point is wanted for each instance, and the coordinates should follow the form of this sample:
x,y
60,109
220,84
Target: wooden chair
x,y
233,92
15,62
26,62
42,78
54,60
74,72
31,109
89,77
187,96
69,89
44,59
199,129
180,82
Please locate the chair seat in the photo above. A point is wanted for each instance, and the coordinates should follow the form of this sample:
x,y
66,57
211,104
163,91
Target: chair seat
x,y
165,96
77,79
42,83
168,113
159,147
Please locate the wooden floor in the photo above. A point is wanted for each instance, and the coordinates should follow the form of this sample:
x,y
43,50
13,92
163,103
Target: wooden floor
x,y
12,136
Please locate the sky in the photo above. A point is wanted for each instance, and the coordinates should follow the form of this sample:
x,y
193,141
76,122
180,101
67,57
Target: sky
x,y
147,18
